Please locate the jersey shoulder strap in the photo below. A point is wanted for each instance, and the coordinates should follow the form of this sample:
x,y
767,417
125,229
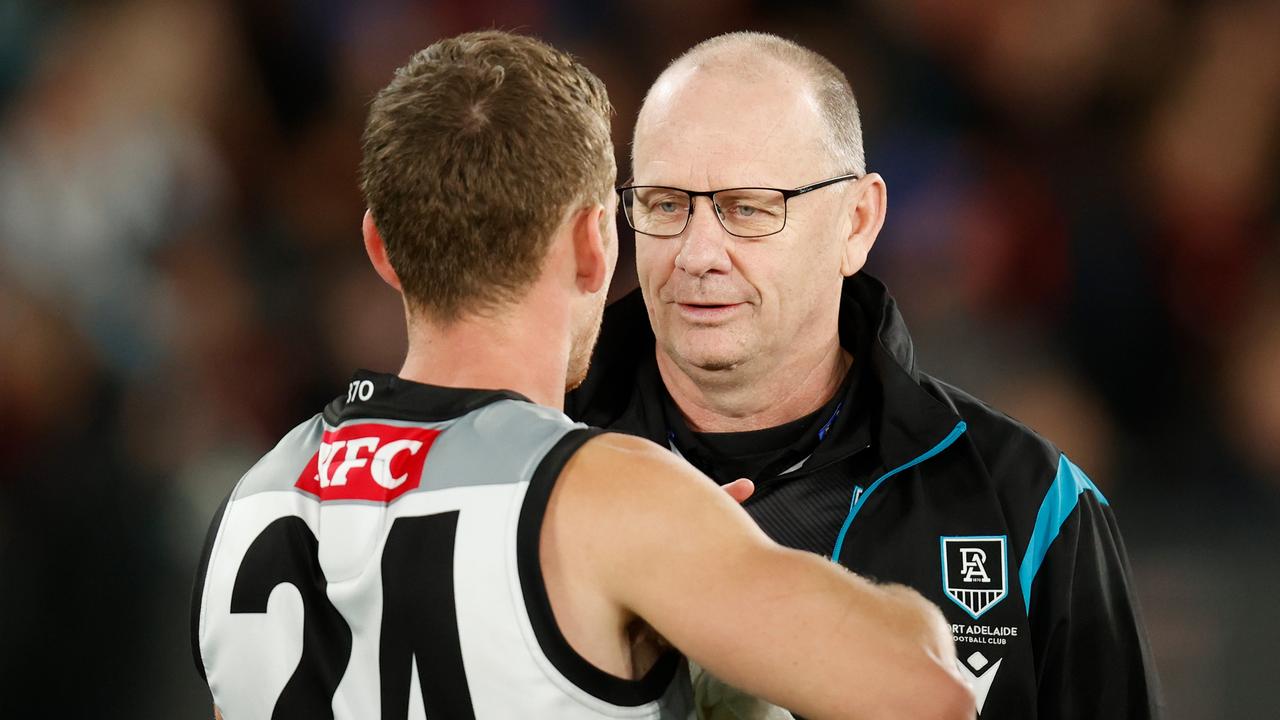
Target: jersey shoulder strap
x,y
581,672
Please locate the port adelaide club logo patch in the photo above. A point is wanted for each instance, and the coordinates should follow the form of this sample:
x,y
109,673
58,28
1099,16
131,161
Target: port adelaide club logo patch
x,y
975,572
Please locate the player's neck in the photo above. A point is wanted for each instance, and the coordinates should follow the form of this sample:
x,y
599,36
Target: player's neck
x,y
753,398
514,350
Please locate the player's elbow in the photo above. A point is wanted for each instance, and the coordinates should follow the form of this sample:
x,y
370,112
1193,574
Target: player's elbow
x,y
927,691
949,698
933,687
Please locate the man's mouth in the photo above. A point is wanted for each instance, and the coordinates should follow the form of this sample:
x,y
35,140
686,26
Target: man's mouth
x,y
707,311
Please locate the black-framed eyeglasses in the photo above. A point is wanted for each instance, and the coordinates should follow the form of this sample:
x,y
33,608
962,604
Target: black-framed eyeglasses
x,y
746,212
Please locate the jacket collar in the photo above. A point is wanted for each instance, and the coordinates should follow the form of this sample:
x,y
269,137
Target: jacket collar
x,y
911,419
623,388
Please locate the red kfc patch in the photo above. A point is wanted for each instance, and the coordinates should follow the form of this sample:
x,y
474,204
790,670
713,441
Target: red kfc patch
x,y
367,461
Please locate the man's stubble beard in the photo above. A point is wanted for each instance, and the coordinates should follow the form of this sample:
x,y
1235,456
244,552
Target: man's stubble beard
x,y
581,350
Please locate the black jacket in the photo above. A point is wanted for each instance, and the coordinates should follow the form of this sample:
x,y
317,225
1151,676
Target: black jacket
x,y
919,483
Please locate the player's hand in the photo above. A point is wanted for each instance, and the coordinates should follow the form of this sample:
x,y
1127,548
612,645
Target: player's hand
x,y
740,489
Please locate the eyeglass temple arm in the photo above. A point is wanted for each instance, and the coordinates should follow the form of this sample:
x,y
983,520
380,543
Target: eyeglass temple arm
x,y
788,194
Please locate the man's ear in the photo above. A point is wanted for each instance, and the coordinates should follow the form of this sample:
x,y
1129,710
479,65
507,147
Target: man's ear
x,y
376,249
590,249
866,217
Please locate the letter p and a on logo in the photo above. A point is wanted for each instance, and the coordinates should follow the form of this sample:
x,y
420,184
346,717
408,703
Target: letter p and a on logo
x,y
975,571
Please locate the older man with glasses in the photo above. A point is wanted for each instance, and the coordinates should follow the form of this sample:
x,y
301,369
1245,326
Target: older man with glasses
x,y
756,348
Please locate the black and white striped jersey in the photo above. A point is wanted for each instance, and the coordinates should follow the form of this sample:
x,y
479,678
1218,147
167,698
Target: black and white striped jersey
x,y
382,561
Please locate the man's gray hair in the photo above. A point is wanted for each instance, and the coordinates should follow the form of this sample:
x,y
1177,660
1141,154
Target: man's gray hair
x,y
830,86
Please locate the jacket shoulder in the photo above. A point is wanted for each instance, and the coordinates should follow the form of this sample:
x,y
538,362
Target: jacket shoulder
x,y
1017,458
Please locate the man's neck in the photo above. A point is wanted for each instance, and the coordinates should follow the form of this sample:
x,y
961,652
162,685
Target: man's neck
x,y
753,398
509,352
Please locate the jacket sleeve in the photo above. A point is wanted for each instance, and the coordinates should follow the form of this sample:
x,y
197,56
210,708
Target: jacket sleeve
x,y
1091,652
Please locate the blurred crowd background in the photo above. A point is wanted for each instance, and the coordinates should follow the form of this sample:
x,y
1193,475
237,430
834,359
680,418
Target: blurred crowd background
x,y
1084,229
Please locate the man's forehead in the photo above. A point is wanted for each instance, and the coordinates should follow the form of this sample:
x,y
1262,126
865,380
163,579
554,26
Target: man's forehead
x,y
731,124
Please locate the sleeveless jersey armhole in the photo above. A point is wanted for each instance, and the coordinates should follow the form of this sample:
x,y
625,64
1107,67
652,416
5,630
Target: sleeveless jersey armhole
x,y
577,669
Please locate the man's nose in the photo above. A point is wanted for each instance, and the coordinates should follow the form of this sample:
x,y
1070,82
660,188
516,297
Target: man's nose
x,y
704,243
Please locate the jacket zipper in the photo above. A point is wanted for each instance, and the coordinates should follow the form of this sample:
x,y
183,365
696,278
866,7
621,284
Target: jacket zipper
x,y
860,496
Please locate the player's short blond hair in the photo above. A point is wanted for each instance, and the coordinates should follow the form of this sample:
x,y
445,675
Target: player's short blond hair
x,y
472,155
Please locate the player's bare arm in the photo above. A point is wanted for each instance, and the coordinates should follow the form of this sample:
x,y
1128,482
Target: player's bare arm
x,y
789,626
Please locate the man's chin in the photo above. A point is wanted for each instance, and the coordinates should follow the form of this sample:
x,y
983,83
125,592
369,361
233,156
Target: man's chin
x,y
710,349
711,359
579,363
572,382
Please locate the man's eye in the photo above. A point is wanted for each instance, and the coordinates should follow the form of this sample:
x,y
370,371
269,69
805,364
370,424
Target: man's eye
x,y
668,207
756,211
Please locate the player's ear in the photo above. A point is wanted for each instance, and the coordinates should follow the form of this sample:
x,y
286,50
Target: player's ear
x,y
865,218
590,248
376,249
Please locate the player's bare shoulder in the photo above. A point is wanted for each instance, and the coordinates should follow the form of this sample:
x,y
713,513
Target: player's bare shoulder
x,y
625,465
622,499
613,482
642,492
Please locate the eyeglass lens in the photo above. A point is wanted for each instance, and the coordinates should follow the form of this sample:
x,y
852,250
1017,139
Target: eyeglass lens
x,y
749,212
